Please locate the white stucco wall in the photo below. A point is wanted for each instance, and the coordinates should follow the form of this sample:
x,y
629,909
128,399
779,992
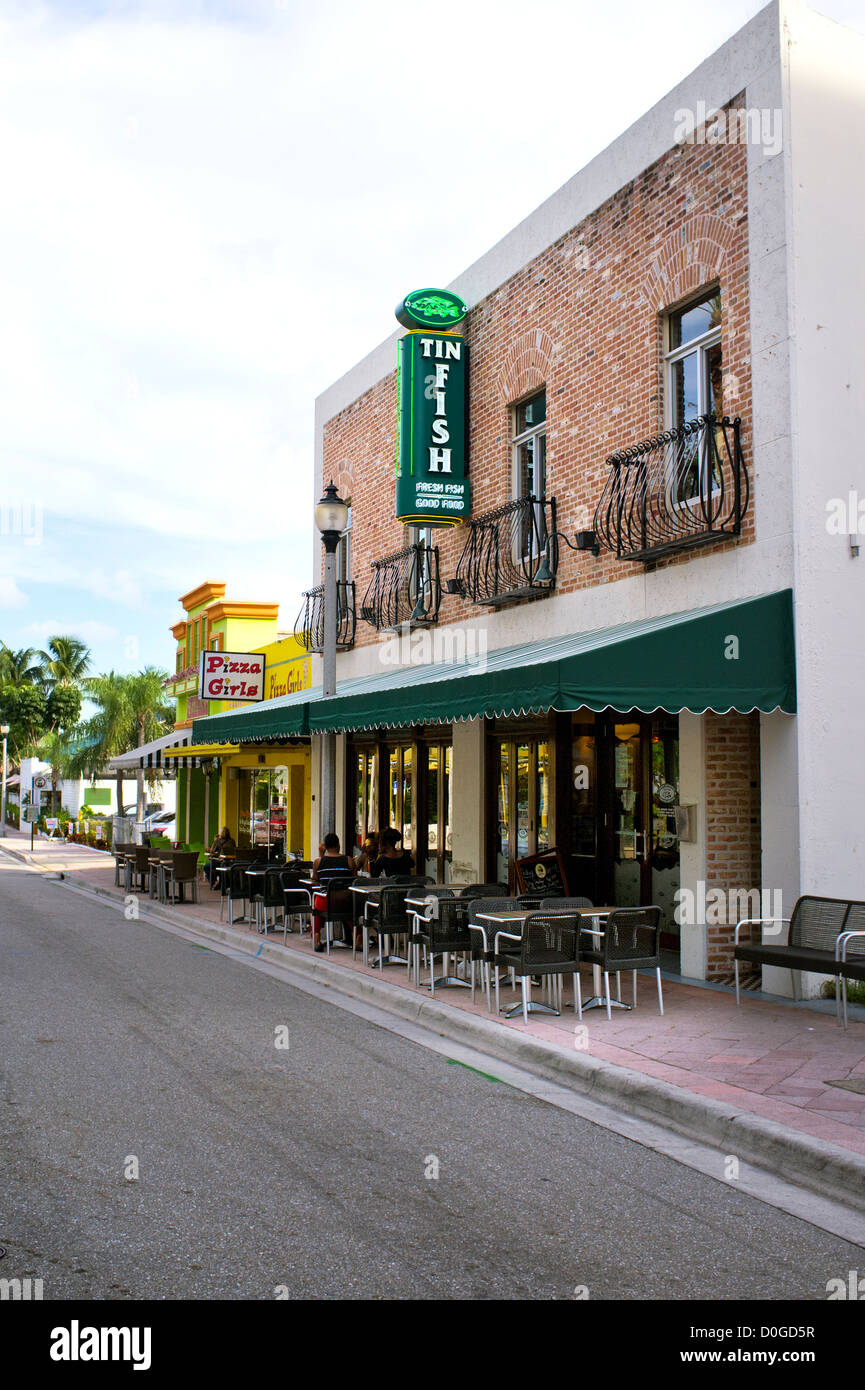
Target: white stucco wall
x,y
827,275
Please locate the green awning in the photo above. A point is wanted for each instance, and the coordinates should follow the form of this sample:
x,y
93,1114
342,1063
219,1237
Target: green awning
x,y
730,656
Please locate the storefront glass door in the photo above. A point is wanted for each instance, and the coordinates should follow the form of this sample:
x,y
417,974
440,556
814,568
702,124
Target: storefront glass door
x,y
625,789
438,812
523,800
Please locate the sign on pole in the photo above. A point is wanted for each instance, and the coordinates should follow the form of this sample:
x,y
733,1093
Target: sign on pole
x,y
432,378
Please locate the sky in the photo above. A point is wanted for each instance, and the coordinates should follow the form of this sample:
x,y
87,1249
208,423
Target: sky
x,y
209,212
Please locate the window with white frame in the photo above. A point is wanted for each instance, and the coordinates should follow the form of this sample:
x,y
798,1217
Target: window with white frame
x,y
692,387
529,443
529,462
343,552
419,574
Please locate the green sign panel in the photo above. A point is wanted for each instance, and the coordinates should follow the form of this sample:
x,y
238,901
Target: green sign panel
x,y
431,309
431,484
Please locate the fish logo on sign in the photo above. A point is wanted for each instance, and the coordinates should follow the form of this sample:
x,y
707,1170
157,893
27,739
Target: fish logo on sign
x,y
431,309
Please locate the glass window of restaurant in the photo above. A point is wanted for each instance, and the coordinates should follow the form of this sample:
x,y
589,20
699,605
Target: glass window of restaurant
x,y
408,786
262,808
401,792
436,827
364,765
522,790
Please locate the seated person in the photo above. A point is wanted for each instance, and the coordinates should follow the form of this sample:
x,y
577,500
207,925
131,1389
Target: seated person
x,y
222,844
330,859
369,854
391,861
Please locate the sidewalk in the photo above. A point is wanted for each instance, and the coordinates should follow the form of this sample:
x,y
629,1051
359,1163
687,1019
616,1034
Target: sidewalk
x,y
771,1060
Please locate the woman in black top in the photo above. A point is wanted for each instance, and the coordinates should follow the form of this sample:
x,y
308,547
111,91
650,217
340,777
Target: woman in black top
x,y
329,860
391,862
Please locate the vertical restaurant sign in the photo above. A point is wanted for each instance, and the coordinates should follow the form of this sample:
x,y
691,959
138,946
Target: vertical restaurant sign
x,y
231,676
432,381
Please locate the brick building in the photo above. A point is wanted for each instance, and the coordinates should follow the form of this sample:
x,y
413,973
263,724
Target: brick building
x,y
639,646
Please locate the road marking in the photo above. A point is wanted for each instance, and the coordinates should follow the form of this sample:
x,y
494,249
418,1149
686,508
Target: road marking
x,y
822,1212
452,1062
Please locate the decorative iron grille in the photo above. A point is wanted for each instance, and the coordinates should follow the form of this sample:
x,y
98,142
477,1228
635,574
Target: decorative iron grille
x,y
511,553
685,487
404,588
309,628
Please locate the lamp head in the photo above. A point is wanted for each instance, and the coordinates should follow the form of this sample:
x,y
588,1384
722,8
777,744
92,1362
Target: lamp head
x,y
331,513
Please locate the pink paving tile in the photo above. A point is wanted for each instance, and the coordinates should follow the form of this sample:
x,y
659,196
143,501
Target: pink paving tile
x,y
833,1099
764,1058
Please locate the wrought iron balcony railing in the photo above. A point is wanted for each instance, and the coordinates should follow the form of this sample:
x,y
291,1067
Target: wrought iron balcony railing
x,y
685,487
404,588
309,628
511,553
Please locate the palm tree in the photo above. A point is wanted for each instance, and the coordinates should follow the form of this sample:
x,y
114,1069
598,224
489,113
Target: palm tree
x,y
66,662
18,668
106,732
152,713
62,668
130,711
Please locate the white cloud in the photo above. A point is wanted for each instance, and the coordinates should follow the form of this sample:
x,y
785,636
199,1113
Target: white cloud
x,y
90,631
10,594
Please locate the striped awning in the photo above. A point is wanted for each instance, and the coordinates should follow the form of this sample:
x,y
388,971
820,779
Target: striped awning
x,y
150,755
735,656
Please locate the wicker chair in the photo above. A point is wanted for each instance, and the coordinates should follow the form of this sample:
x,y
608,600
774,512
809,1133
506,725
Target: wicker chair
x,y
631,941
338,907
443,935
270,898
121,852
483,934
549,946
237,889
485,890
138,868
431,892
182,870
390,918
296,900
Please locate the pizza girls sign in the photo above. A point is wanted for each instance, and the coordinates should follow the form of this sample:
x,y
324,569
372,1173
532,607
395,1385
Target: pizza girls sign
x,y
231,676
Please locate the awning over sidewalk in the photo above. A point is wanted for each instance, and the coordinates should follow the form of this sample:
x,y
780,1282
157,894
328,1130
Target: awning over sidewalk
x,y
728,657
149,755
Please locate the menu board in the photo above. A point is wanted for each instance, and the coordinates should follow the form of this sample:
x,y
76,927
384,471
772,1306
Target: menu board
x,y
542,875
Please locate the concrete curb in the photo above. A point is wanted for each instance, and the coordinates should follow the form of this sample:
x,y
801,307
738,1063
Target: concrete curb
x,y
809,1162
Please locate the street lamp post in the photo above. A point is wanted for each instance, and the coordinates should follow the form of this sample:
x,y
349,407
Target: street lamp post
x,y
4,730
331,518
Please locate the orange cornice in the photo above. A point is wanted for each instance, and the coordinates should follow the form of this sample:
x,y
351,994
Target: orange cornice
x,y
243,610
179,630
210,589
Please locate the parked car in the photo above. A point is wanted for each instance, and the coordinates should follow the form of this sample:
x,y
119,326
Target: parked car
x,y
161,823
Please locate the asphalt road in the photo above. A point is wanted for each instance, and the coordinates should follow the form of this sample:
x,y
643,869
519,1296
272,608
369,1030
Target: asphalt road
x,y
305,1169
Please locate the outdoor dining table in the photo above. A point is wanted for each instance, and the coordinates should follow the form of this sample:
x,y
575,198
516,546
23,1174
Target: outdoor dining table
x,y
516,917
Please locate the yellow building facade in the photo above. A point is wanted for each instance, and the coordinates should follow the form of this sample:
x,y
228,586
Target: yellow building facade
x,y
261,791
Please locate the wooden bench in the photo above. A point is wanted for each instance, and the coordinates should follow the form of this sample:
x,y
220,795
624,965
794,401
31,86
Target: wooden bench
x,y
824,935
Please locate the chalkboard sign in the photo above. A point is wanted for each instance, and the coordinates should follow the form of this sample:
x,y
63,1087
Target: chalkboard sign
x,y
543,875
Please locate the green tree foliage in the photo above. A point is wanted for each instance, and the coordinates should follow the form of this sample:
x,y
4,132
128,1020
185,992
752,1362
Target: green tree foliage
x,y
63,708
40,692
65,663
130,710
